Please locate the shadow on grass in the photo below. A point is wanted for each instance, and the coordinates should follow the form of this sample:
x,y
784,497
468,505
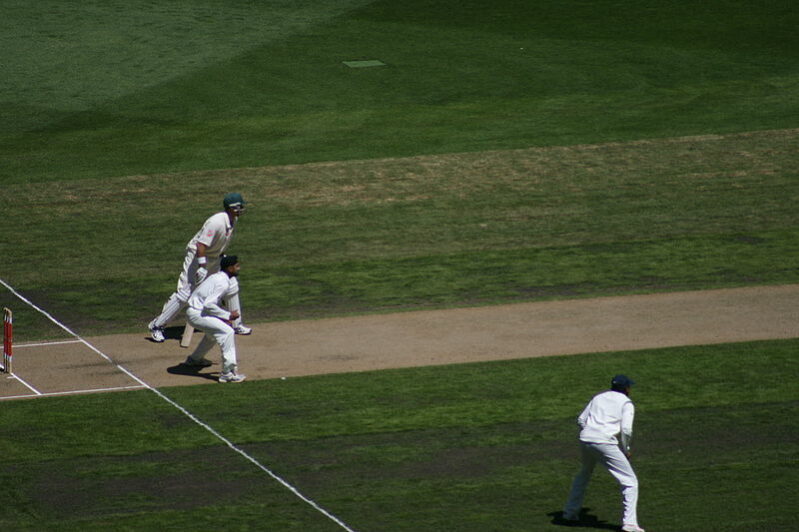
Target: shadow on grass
x,y
176,333
586,520
190,371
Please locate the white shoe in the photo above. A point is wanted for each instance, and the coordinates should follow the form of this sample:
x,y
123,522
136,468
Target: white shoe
x,y
232,376
242,330
632,528
156,333
193,363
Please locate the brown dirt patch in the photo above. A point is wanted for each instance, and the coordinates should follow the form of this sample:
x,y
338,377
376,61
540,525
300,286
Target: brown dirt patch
x,y
437,337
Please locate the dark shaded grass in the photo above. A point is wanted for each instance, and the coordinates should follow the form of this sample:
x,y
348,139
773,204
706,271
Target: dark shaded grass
x,y
487,446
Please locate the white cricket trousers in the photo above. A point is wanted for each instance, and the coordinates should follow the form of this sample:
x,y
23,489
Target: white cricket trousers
x,y
610,456
216,331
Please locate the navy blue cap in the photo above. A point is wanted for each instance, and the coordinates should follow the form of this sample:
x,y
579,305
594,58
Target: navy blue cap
x,y
621,381
228,261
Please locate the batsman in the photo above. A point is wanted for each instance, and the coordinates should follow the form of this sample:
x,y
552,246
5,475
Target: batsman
x,y
204,253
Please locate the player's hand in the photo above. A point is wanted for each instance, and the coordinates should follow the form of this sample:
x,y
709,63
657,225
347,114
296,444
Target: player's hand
x,y
234,315
200,275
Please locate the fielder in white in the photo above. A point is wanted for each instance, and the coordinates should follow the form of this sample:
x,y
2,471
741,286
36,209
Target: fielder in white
x,y
608,415
203,255
205,314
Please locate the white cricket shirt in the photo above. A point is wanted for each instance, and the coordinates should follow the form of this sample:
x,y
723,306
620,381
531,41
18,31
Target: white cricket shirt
x,y
607,415
216,234
206,297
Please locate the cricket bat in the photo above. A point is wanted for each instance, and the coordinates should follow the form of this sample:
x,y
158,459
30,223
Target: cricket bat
x,y
188,331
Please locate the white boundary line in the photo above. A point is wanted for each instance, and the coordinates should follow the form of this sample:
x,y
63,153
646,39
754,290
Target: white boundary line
x,y
188,414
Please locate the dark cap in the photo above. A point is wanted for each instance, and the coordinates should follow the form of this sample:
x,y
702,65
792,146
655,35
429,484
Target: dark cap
x,y
621,381
234,200
228,261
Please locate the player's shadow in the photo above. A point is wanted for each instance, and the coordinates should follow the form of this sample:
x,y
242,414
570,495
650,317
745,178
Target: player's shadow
x,y
170,333
189,371
586,521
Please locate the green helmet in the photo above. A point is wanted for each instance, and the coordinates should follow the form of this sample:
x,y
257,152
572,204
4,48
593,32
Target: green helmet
x,y
234,201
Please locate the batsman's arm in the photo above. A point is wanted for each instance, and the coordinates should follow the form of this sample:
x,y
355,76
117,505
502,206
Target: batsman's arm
x,y
202,263
202,260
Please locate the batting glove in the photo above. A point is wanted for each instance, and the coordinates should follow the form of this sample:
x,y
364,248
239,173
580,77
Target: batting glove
x,y
200,274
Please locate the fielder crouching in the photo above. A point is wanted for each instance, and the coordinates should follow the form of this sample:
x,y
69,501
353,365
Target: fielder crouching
x,y
205,313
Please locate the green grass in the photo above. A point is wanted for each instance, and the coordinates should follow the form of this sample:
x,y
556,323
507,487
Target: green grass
x,y
124,123
381,235
552,173
487,446
104,89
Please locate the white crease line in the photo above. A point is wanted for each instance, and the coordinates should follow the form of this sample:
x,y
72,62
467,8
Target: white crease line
x,y
31,388
46,344
74,392
188,414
